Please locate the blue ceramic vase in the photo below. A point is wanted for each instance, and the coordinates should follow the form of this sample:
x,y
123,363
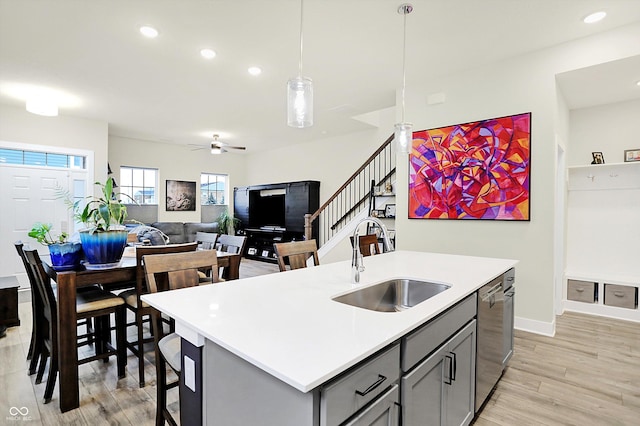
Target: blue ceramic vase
x,y
103,249
66,256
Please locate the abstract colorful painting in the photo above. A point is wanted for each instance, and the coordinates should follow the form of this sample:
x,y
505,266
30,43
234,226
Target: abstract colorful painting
x,y
477,170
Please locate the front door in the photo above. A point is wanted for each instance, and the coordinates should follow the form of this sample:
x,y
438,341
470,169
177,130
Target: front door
x,y
29,194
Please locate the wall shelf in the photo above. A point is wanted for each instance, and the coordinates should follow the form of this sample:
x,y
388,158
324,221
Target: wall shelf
x,y
604,176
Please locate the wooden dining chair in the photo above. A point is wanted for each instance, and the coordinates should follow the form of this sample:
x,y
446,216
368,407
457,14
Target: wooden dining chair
x,y
368,244
206,240
37,324
141,310
36,309
296,254
231,243
97,304
166,272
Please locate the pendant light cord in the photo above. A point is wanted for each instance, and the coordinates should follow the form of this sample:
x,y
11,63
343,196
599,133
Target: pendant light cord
x,y
301,18
404,60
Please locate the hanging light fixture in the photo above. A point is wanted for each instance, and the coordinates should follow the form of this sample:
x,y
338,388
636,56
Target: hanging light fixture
x,y
300,93
404,131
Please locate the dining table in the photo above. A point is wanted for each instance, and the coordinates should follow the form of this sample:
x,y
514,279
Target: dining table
x,y
69,281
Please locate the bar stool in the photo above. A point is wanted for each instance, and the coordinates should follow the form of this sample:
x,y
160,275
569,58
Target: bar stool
x,y
166,272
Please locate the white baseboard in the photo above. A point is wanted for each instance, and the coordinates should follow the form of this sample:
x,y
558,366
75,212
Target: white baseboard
x,y
535,326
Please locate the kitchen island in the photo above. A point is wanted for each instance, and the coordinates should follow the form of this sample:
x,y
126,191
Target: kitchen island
x,y
270,343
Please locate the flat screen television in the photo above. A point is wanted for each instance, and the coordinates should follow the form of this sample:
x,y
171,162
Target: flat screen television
x,y
266,210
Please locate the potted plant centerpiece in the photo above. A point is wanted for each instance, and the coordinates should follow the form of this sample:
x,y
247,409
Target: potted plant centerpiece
x,y
105,236
65,255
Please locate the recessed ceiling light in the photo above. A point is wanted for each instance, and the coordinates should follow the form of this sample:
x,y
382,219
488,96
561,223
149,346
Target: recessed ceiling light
x,y
254,71
594,17
149,32
208,53
638,83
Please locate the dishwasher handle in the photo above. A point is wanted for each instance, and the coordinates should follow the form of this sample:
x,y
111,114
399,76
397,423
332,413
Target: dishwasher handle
x,y
492,292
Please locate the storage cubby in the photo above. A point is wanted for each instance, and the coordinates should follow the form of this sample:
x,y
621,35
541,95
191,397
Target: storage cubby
x,y
603,213
615,297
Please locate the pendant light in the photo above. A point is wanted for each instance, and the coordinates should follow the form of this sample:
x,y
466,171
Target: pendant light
x,y
300,93
404,131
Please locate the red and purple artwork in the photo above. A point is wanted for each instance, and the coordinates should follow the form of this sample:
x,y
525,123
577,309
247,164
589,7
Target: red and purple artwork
x,y
476,170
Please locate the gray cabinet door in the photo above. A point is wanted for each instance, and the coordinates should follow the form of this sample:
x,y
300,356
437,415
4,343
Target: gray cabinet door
x,y
461,393
383,412
441,390
422,392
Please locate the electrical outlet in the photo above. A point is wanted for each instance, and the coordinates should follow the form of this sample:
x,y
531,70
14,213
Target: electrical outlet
x,y
189,373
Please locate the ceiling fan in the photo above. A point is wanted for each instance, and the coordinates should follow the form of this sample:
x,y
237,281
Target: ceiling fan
x,y
218,147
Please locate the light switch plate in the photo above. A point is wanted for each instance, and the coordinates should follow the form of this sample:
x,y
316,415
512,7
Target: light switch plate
x,y
190,373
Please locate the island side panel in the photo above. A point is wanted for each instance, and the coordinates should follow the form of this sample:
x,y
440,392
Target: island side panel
x,y
239,393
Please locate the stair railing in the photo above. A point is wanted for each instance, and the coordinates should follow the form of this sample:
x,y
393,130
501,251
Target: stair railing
x,y
351,198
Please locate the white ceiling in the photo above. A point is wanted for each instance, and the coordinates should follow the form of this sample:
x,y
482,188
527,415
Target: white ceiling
x,y
163,90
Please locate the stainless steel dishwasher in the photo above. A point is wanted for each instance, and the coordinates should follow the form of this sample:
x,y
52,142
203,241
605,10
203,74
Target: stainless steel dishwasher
x,y
489,338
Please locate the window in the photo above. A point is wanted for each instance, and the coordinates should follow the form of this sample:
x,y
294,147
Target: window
x,y
213,189
139,184
45,159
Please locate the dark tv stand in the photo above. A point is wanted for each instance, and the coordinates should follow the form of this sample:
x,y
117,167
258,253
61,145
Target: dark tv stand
x,y
274,213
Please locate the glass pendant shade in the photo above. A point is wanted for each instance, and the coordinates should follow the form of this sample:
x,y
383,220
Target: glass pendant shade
x,y
300,102
403,136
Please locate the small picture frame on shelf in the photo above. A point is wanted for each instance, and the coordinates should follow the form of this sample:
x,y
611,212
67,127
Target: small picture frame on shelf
x,y
631,155
390,210
598,158
377,190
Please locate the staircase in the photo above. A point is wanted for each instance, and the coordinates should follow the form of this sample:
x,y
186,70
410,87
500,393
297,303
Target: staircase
x,y
353,199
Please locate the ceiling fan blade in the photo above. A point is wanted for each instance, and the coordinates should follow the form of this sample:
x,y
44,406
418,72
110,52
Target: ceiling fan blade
x,y
195,147
235,147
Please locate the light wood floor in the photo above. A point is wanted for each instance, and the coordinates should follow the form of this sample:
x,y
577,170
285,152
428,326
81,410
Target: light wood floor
x,y
588,374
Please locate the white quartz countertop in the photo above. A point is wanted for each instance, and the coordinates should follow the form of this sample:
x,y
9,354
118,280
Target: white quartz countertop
x,y
287,325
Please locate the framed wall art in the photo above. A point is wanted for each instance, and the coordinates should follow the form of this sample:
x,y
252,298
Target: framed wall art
x,y
476,170
631,155
598,158
181,196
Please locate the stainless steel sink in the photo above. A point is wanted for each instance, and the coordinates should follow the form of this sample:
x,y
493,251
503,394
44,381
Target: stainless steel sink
x,y
393,295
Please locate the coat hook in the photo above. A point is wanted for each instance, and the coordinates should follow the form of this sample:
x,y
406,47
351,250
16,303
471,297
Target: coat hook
x,y
591,177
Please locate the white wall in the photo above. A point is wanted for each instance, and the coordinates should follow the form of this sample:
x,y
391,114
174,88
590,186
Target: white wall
x,y
521,84
19,126
609,129
176,162
331,161
603,225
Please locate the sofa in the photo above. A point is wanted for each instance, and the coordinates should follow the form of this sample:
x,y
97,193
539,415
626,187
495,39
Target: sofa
x,y
182,232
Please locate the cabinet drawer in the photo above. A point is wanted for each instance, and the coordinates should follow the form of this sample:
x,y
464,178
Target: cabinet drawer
x,y
383,411
426,339
343,397
582,291
621,296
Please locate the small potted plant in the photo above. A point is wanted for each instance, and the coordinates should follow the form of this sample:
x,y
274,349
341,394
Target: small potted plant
x,y
65,255
226,222
105,236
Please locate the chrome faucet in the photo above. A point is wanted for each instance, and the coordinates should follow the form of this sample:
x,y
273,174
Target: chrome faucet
x,y
357,265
